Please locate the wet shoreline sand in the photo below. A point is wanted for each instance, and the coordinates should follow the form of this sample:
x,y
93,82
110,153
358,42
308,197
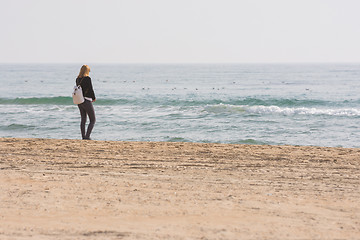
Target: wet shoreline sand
x,y
73,189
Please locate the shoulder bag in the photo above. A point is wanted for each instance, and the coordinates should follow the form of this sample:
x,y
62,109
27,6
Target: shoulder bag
x,y
77,94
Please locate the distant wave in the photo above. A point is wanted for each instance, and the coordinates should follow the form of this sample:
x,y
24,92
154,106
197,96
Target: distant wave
x,y
36,101
246,101
214,106
55,101
171,101
224,108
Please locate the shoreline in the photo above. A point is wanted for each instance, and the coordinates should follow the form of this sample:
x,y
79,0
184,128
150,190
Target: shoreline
x,y
68,188
175,142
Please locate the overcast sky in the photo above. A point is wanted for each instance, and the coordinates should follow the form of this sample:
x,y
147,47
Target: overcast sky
x,y
179,31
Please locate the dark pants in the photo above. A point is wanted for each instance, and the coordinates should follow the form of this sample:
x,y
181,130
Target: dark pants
x,y
86,108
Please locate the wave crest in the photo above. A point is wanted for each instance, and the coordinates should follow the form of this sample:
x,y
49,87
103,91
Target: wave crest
x,y
262,110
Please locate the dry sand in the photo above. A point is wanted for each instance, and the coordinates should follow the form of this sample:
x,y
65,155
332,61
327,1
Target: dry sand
x,y
74,189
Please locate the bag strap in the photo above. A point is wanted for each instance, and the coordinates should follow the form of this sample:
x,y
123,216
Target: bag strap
x,y
80,84
80,81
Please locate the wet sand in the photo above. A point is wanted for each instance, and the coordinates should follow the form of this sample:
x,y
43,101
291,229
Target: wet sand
x,y
74,189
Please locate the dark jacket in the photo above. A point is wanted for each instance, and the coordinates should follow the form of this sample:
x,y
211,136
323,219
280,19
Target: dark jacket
x,y
86,86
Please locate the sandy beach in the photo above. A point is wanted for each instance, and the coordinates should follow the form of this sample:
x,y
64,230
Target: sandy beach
x,y
74,189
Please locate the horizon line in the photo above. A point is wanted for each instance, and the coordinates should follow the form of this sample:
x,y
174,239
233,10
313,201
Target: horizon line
x,y
182,63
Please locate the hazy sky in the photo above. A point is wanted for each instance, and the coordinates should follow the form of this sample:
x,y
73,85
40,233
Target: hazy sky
x,y
179,31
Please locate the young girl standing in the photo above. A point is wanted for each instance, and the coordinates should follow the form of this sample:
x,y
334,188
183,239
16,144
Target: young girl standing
x,y
86,108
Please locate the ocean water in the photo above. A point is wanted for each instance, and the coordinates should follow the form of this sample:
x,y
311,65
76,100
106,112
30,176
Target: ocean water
x,y
297,104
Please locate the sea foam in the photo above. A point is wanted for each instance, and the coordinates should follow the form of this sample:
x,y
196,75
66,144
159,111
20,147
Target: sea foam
x,y
262,110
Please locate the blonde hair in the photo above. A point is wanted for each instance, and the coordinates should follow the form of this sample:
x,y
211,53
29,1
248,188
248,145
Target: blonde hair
x,y
84,71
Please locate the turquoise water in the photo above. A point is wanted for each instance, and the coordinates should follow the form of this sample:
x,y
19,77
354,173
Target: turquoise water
x,y
297,104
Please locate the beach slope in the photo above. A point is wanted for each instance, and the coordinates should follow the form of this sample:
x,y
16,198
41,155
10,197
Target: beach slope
x,y
73,189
